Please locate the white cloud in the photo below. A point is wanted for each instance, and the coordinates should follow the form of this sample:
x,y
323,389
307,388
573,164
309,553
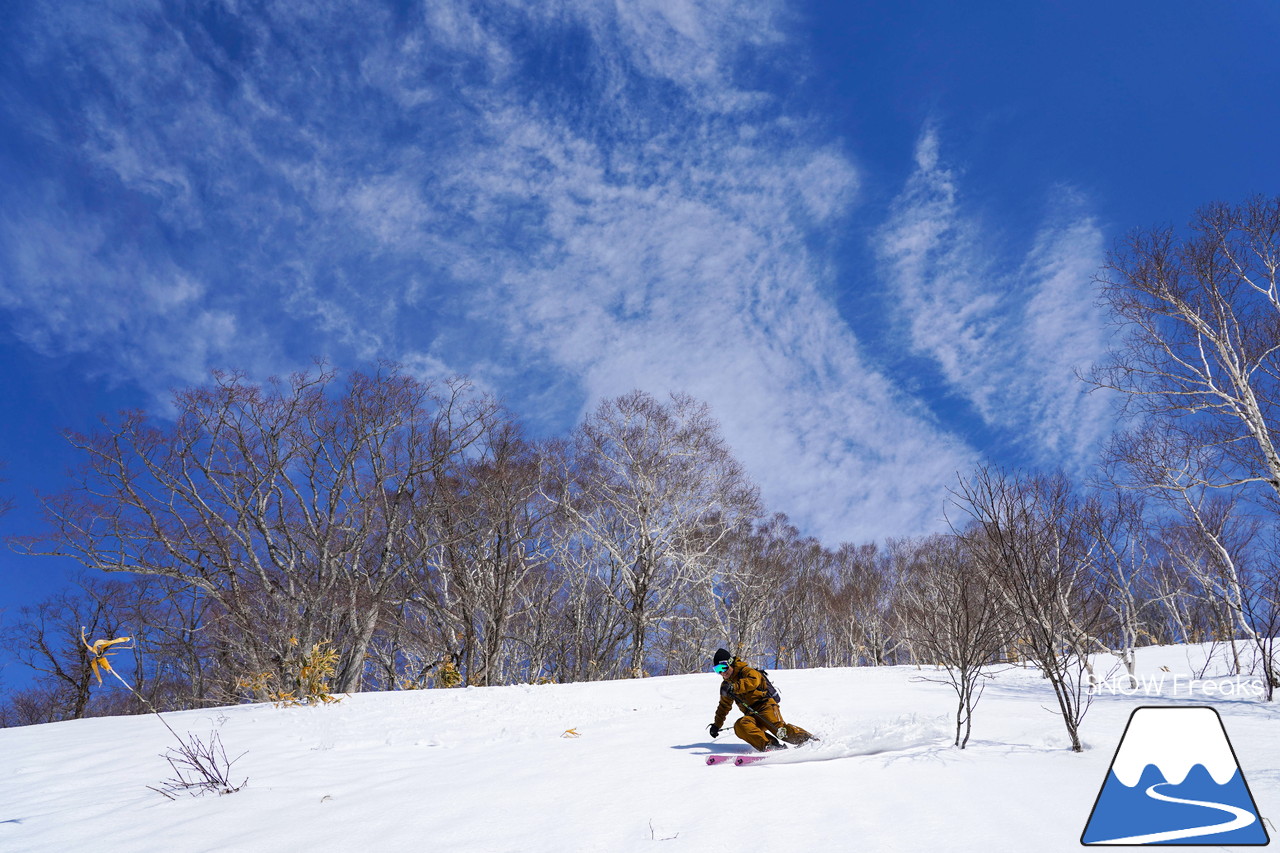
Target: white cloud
x,y
1008,333
941,278
704,284
78,289
651,224
1065,332
691,43
391,208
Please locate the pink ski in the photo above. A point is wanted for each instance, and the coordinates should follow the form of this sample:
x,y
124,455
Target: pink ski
x,y
739,760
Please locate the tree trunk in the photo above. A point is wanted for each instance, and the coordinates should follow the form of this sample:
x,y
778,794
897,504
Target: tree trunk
x,y
351,664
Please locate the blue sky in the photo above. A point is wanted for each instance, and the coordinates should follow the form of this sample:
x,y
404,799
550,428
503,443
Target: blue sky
x,y
864,233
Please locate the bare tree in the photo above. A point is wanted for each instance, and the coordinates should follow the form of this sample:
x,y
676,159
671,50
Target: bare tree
x,y
758,567
648,492
1026,535
1200,365
1199,360
1262,606
490,543
1212,542
539,631
176,633
864,591
1206,530
954,620
1117,554
794,628
47,637
1177,599
291,504
588,630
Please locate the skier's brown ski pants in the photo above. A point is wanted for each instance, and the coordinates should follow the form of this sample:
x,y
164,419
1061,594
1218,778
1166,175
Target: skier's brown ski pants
x,y
756,727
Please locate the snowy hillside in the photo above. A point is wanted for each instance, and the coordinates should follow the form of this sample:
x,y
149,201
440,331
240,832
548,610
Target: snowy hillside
x,y
489,770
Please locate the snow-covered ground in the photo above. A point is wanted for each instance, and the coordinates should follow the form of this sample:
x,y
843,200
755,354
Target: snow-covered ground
x,y
488,769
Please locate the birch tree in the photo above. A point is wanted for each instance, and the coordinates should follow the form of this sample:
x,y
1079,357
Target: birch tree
x,y
1206,530
1118,555
953,620
759,568
1199,358
489,514
648,491
1025,534
864,587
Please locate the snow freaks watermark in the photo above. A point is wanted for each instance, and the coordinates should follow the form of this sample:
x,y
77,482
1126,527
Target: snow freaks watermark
x,y
1169,684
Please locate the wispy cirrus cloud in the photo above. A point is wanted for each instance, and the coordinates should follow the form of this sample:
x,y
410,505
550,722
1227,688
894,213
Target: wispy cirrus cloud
x,y
75,287
714,291
681,260
1010,333
565,201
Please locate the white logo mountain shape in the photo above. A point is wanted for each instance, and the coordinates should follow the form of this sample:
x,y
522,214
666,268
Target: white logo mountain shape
x,y
1174,740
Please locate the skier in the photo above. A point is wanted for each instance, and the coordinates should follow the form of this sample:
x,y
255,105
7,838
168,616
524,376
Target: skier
x,y
762,727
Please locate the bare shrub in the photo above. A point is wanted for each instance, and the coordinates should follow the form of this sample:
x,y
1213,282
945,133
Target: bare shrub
x,y
199,767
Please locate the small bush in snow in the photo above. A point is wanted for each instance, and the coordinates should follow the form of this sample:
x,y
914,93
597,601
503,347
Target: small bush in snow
x,y
447,674
199,767
311,679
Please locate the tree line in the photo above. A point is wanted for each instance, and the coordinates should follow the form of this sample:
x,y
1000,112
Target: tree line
x,y
418,531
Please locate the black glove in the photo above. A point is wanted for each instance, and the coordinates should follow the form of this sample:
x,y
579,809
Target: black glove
x,y
714,729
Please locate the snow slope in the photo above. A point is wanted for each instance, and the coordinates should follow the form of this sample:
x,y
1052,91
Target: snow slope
x,y
487,769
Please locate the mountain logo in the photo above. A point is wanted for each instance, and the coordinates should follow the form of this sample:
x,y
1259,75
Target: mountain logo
x,y
1175,780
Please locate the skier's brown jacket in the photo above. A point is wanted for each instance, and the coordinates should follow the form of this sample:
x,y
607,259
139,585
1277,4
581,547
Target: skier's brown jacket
x,y
746,687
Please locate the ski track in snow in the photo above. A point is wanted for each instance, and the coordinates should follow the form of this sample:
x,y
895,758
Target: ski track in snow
x,y
899,734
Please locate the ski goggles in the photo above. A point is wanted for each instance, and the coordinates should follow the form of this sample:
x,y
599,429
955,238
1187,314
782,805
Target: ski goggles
x,y
720,668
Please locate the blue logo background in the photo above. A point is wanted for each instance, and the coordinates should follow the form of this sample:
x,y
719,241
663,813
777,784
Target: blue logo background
x,y
1124,812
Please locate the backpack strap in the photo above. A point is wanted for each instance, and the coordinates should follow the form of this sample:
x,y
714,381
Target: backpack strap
x,y
770,692
769,689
